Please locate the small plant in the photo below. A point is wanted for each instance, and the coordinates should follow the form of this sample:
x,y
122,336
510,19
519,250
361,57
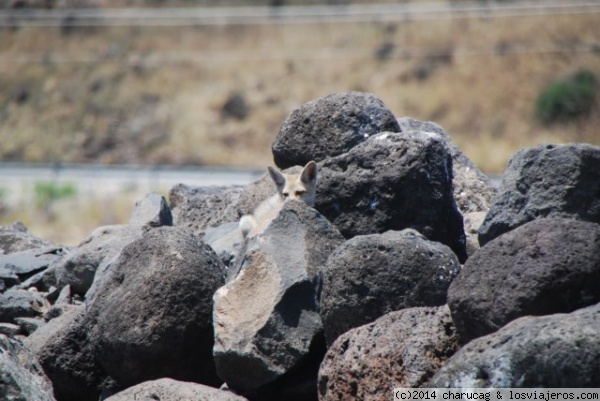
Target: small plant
x,y
567,100
3,207
46,193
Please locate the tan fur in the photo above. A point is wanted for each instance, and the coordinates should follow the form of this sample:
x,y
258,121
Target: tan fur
x,y
301,187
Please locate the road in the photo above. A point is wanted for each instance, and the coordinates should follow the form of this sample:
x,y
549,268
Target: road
x,y
94,181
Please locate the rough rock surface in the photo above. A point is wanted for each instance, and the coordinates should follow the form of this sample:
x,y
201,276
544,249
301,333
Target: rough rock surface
x,y
197,208
330,126
29,324
16,237
473,190
172,390
161,288
227,241
9,329
393,181
401,349
8,279
29,262
87,263
371,275
472,221
559,350
151,311
545,266
546,181
153,211
267,318
21,376
63,349
16,303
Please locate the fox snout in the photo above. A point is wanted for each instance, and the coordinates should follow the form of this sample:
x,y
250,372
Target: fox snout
x,y
301,194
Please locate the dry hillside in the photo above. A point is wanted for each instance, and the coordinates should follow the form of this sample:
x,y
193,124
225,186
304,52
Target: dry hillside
x,y
156,94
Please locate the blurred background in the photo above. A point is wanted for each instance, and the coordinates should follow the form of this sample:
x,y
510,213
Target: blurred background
x,y
102,101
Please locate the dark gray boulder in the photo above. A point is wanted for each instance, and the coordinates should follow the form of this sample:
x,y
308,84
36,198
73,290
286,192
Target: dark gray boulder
x,y
28,262
16,237
8,278
546,181
16,303
330,126
266,320
393,181
160,287
197,208
28,266
559,350
405,348
87,262
372,275
64,296
63,349
42,280
29,325
153,211
545,266
9,329
227,241
21,376
172,390
473,190
59,309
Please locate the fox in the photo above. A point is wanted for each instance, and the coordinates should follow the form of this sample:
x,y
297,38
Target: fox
x,y
301,187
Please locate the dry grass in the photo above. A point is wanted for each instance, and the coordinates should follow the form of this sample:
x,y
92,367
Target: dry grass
x,y
476,77
70,221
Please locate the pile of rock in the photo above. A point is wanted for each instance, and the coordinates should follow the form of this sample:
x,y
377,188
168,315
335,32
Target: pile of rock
x,y
382,284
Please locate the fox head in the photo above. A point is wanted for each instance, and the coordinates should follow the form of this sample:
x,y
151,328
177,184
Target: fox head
x,y
301,186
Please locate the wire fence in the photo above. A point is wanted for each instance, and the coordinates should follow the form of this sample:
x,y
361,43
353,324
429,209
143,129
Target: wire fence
x,y
199,16
166,58
313,14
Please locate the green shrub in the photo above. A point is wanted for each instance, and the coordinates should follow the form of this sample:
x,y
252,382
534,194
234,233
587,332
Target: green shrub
x,y
3,207
46,193
567,100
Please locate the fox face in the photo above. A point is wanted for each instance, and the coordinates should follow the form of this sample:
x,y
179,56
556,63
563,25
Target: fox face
x,y
301,186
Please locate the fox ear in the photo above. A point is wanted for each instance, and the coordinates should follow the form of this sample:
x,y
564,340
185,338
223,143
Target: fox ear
x,y
309,174
276,176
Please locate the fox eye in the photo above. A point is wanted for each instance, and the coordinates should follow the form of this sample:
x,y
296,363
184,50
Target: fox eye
x,y
285,194
300,192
